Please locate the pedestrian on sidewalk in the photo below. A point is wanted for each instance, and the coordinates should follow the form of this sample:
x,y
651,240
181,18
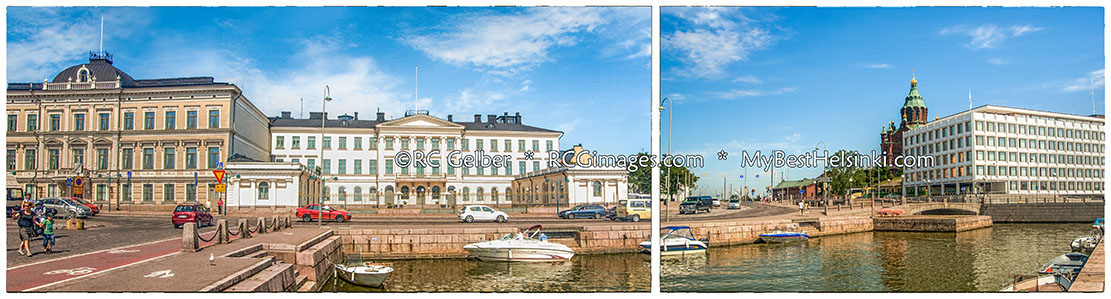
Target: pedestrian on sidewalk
x,y
26,231
48,233
219,206
800,208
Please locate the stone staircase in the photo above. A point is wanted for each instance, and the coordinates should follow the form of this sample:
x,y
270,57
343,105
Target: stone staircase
x,y
285,268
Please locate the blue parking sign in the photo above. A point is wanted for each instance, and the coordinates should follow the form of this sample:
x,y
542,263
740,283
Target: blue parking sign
x,y
129,174
69,182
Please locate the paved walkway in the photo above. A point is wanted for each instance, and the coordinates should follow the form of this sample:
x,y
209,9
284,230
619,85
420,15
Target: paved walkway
x,y
1091,278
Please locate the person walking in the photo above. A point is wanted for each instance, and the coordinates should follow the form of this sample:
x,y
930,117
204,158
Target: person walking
x,y
48,233
26,230
219,207
801,207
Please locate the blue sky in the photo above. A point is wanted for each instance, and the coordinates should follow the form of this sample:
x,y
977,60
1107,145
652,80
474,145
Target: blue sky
x,y
570,69
789,78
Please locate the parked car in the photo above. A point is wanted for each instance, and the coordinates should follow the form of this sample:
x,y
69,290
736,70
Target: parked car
x,y
611,213
634,209
694,204
191,212
15,201
481,213
86,203
717,202
314,211
734,204
67,208
583,211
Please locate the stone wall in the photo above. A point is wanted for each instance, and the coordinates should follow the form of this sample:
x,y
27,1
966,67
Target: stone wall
x,y
748,231
931,223
1044,212
404,243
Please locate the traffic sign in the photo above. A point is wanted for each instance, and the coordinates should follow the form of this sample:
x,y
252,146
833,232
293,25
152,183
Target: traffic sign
x,y
129,174
221,188
78,182
69,182
219,175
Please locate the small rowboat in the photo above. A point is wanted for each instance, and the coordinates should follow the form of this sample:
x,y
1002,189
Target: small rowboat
x,y
783,237
368,274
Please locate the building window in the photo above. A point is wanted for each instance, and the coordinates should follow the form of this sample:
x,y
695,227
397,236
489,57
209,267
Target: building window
x,y
508,146
171,120
101,192
148,121
389,143
343,143
312,142
450,144
521,145
343,194
478,144
535,165
358,143
405,143
464,144
420,143
213,119
55,122
296,142
522,169
190,119
148,158
279,142
327,143
148,192
129,121
342,166
105,118
358,193
493,145
389,166
168,158
128,158
79,122
327,164
102,158
373,143
549,143
358,166
29,159
263,191
191,158
373,167
13,122
312,165
213,157
168,193
435,144
191,192
32,122
78,156
11,160
536,145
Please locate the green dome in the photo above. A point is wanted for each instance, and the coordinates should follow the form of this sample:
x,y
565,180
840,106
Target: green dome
x,y
914,99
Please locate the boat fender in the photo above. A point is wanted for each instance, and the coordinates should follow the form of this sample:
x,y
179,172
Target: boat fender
x,y
705,241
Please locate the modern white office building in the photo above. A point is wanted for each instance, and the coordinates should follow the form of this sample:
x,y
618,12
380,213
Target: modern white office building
x,y
1004,150
359,167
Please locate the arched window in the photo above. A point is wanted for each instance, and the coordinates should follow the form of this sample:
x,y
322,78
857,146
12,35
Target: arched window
x,y
342,193
263,191
508,194
494,194
597,188
478,194
83,75
326,195
405,192
466,194
373,194
358,193
388,192
435,192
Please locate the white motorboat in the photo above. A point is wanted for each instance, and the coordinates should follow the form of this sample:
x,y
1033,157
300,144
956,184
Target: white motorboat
x,y
367,274
527,246
784,236
676,240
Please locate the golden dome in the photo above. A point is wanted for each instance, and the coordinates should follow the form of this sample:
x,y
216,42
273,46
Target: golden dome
x,y
913,81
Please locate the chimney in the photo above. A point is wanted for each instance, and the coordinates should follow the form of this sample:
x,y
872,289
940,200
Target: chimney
x,y
505,118
449,117
315,115
492,118
356,116
478,118
517,117
381,116
287,114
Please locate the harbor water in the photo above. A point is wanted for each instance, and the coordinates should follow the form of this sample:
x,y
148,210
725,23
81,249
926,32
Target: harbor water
x,y
627,272
982,260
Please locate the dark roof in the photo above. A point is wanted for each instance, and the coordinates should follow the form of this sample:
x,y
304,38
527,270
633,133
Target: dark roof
x,y
331,123
241,158
496,126
101,69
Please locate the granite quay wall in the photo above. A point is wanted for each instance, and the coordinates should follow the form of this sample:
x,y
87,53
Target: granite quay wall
x,y
406,243
1070,212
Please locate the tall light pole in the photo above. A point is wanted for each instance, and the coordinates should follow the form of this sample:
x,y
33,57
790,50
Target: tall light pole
x,y
323,118
667,204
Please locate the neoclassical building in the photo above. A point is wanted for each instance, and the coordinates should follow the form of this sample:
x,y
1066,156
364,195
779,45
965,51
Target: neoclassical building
x,y
141,143
359,167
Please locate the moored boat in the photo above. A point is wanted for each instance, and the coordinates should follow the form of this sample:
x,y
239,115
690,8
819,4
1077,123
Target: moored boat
x,y
1069,262
522,247
676,240
366,274
783,237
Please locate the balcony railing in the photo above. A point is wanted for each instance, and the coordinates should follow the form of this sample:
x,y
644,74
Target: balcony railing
x,y
81,85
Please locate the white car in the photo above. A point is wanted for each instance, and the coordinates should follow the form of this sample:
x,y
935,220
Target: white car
x,y
481,213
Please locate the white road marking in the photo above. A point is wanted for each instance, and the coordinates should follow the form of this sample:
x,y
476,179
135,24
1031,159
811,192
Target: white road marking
x,y
120,251
161,274
75,271
101,272
88,253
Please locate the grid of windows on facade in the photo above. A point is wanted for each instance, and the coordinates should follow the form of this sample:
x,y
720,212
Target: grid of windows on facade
x,y
82,121
1051,157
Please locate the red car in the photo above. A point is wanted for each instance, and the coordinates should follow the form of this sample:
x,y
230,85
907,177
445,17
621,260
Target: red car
x,y
310,212
91,206
197,213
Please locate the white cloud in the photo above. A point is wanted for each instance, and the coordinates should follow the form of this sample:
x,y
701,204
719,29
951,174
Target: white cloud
x,y
998,61
877,66
748,79
741,93
44,41
988,36
1094,79
717,38
509,44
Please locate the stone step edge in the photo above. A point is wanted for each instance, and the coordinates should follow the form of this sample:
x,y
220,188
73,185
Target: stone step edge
x,y
237,277
260,278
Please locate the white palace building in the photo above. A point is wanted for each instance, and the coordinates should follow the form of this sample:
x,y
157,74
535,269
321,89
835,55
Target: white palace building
x,y
359,168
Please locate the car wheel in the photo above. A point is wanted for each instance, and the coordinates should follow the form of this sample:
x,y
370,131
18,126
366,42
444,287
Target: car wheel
x,y
570,216
636,218
177,226
306,218
597,216
339,218
469,219
501,219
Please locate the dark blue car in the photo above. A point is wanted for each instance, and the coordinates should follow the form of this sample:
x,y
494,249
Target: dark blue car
x,y
584,211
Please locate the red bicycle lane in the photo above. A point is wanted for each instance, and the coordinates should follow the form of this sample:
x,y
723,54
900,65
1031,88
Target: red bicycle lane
x,y
33,276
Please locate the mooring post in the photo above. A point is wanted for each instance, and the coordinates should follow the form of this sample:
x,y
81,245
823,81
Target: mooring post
x,y
189,237
261,225
277,226
244,229
222,232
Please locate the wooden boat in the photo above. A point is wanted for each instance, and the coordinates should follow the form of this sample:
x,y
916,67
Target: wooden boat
x,y
367,274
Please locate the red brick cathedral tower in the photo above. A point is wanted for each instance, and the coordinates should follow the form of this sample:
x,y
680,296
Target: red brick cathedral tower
x,y
914,113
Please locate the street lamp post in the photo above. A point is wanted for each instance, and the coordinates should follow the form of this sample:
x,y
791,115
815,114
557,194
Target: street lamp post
x,y
323,118
667,204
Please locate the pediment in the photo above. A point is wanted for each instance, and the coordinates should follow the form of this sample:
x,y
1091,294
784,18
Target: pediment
x,y
420,121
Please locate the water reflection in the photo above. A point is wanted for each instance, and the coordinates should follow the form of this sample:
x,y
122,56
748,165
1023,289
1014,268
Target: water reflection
x,y
980,260
584,273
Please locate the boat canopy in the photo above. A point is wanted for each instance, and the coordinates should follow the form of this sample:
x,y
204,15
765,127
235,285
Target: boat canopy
x,y
678,231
